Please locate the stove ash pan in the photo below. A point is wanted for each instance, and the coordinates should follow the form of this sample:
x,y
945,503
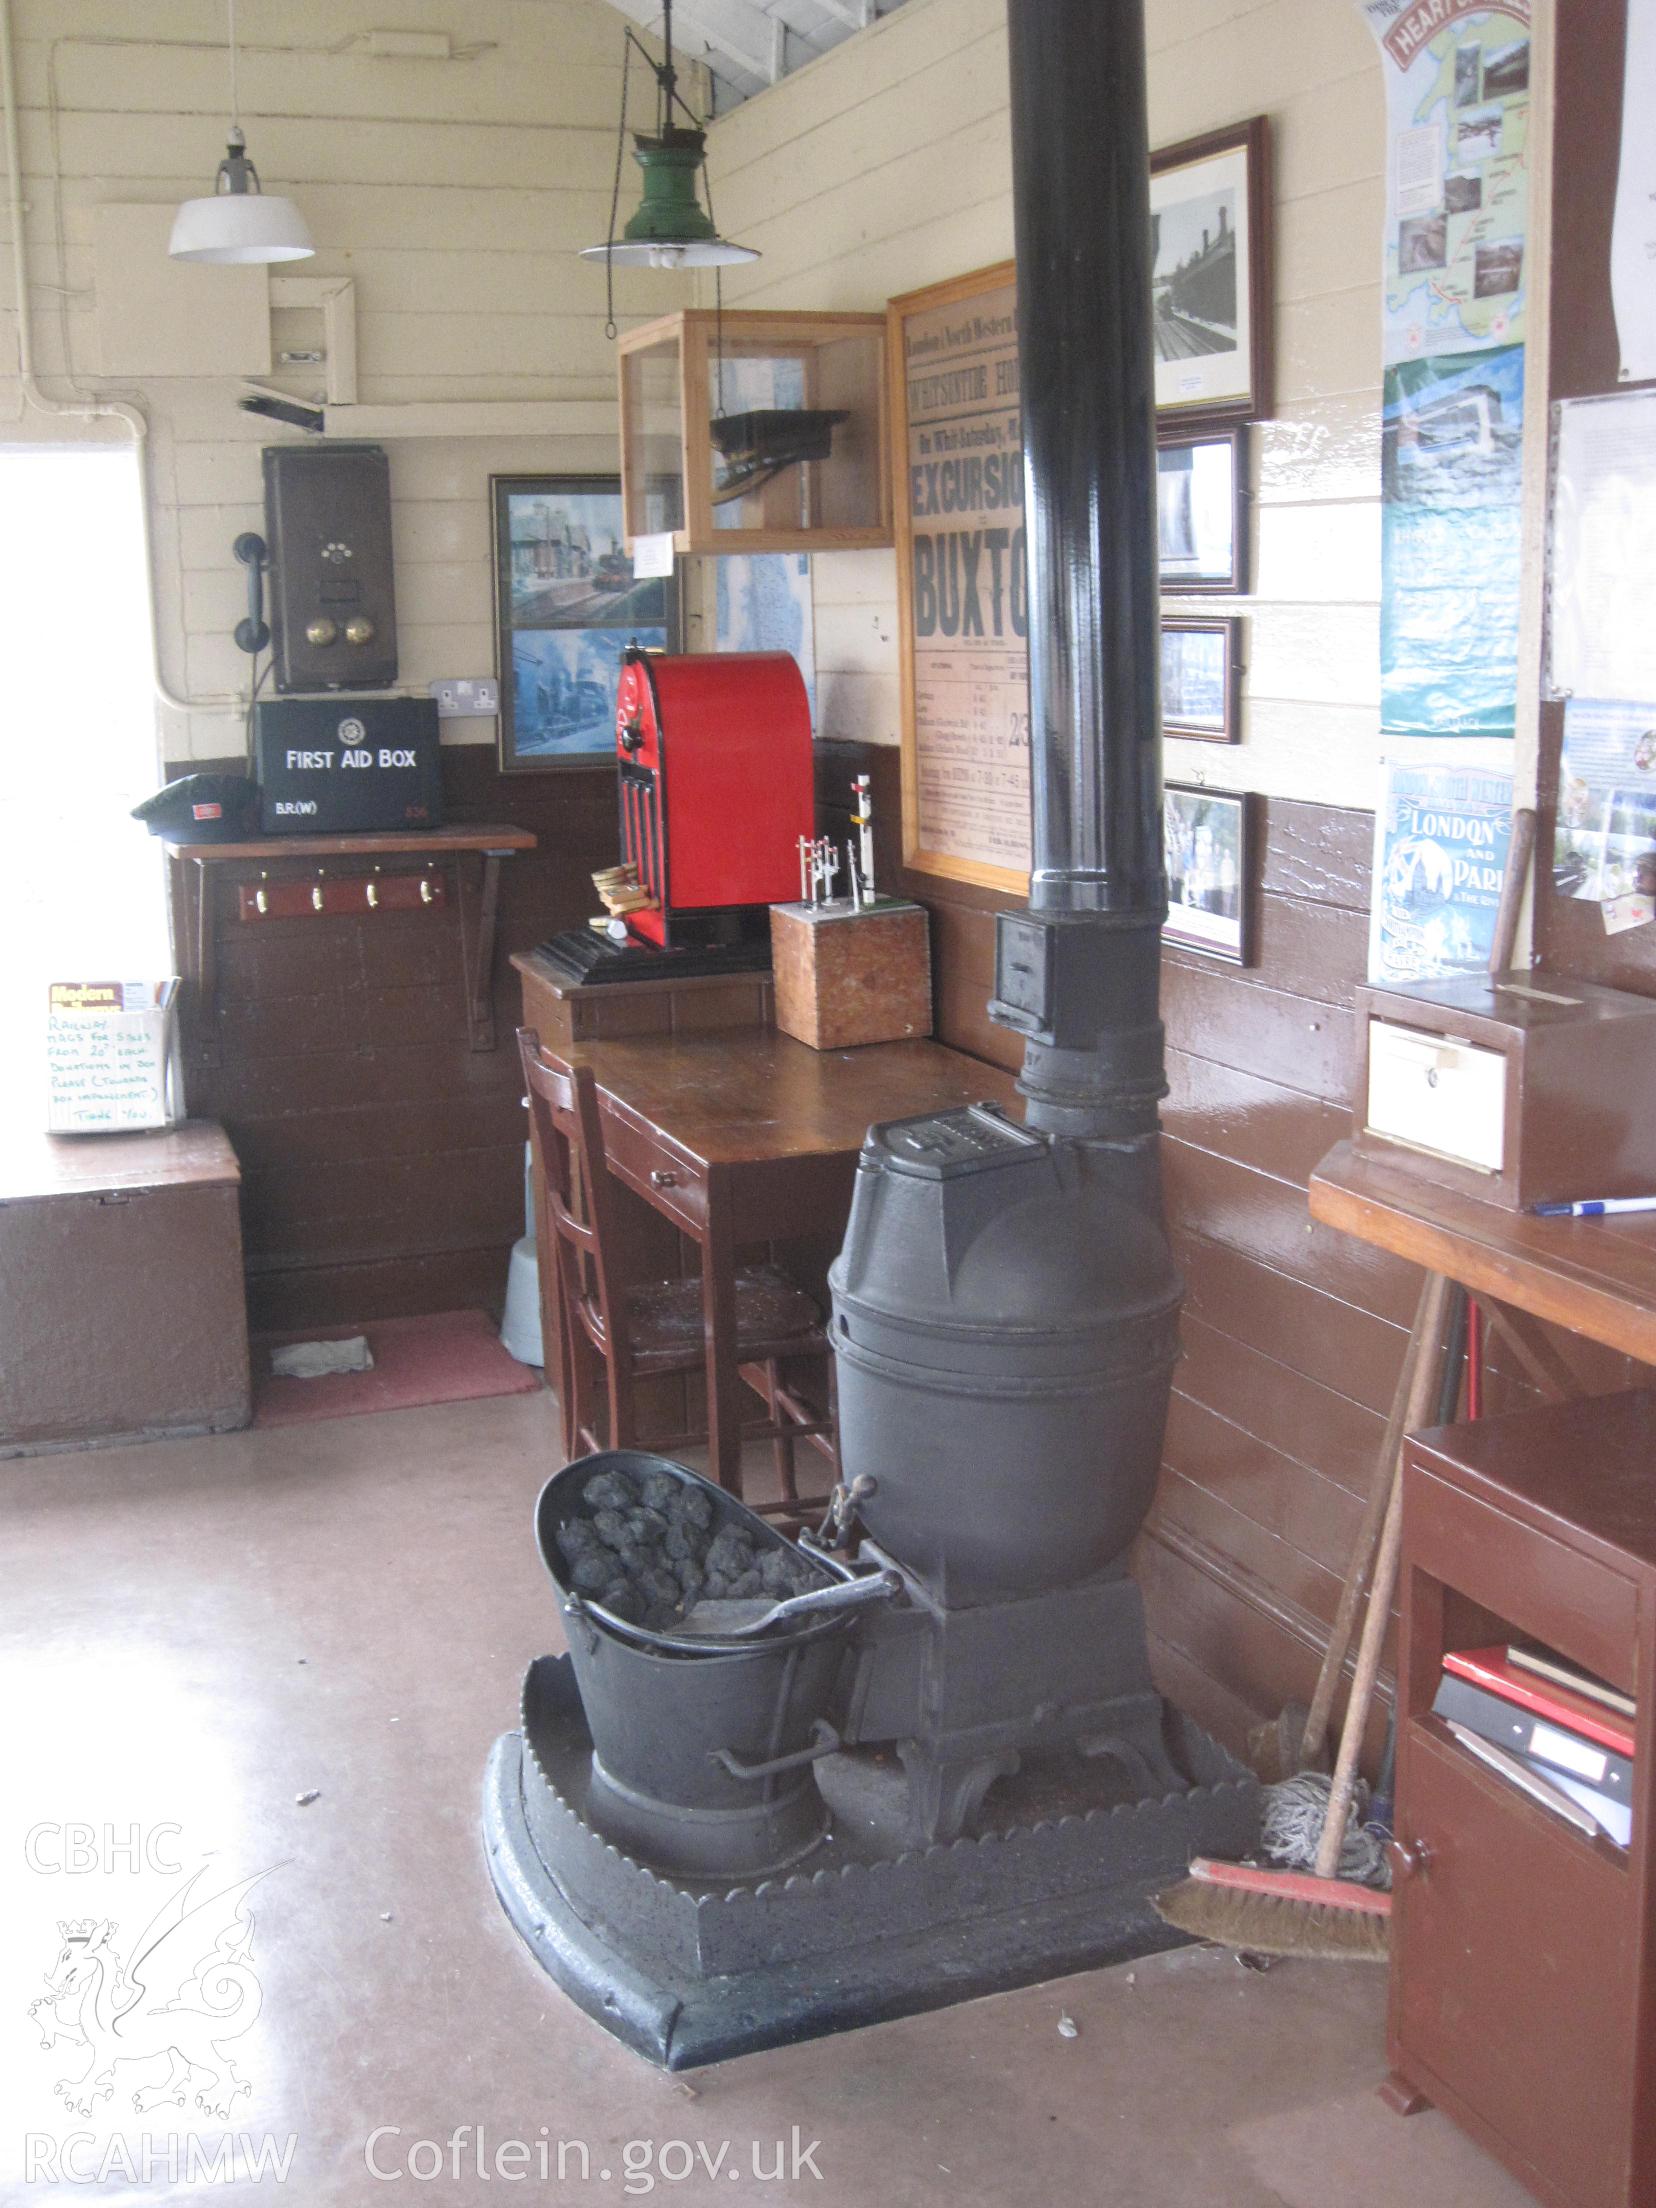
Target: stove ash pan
x,y
1006,1326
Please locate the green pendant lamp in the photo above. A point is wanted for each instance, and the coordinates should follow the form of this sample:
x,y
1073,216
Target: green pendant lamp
x,y
671,228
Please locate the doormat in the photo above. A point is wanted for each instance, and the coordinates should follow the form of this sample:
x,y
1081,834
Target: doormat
x,y
440,1357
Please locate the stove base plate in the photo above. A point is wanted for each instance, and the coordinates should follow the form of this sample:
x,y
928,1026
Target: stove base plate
x,y
688,1974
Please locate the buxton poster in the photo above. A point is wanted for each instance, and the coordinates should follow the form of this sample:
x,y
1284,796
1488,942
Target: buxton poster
x,y
963,579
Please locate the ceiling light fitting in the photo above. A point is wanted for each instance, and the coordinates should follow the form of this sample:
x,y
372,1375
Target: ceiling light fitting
x,y
671,228
239,225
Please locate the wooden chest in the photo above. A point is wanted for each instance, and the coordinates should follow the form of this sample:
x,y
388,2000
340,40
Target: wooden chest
x,y
845,977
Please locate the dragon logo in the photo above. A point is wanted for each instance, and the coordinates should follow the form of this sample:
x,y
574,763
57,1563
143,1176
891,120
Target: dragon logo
x,y
186,1992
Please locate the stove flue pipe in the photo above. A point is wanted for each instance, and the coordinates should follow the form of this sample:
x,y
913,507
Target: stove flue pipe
x,y
1079,976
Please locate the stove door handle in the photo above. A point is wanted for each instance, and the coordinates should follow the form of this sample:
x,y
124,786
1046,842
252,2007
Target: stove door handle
x,y
824,1742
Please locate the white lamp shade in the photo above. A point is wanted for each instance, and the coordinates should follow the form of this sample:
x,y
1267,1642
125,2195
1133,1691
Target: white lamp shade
x,y
236,229
664,253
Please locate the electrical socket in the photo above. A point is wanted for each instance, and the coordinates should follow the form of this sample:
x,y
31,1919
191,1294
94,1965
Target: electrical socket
x,y
466,697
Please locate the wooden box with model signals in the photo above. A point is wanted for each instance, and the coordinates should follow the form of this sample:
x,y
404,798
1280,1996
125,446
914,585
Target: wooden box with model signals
x,y
1520,1088
845,977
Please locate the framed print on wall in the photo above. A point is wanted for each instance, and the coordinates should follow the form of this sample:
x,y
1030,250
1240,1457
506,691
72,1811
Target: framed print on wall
x,y
566,605
1201,512
1209,837
1210,218
1200,677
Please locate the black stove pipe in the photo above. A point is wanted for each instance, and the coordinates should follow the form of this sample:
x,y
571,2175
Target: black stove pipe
x,y
1079,976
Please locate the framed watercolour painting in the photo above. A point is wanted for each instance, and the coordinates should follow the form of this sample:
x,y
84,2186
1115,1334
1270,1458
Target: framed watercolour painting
x,y
1210,214
1200,673
566,604
1209,837
1201,512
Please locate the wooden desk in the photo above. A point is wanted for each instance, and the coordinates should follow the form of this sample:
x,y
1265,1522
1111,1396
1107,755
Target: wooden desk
x,y
1597,1277
746,1136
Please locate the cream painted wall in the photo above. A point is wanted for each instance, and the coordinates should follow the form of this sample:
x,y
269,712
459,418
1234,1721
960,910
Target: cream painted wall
x,y
886,165
454,192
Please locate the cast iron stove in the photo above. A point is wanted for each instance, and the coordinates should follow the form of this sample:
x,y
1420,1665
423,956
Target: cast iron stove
x,y
983,1787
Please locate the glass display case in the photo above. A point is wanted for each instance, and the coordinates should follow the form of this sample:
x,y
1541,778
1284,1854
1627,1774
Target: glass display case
x,y
756,432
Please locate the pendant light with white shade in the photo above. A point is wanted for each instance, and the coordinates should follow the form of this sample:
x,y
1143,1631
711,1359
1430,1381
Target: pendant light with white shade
x,y
671,228
240,224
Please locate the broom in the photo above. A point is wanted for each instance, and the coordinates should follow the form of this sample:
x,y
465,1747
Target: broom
x,y
1269,1912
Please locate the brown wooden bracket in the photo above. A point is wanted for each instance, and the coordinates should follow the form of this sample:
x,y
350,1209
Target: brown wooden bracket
x,y
477,948
205,976
1529,1344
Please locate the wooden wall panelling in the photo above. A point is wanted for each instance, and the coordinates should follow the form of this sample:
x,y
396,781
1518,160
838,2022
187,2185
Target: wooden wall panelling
x,y
382,1157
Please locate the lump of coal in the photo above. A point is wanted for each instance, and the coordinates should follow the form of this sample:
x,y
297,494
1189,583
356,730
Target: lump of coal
x,y
609,1491
746,1585
646,1525
731,1551
575,1536
659,1491
659,1587
592,1572
623,1601
693,1505
690,1577
612,1528
776,1573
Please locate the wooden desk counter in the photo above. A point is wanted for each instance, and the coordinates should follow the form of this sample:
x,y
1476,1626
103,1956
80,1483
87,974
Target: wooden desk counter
x,y
1597,1277
745,1136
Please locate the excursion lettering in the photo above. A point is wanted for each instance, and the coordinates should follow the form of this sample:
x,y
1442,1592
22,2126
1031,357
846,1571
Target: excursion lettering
x,y
979,484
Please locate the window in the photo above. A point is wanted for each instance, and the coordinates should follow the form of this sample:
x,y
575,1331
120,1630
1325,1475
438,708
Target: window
x,y
82,886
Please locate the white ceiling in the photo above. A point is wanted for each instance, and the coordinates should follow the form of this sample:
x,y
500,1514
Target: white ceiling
x,y
749,44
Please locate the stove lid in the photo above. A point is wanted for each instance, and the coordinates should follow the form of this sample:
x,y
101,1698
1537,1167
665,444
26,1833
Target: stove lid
x,y
941,1146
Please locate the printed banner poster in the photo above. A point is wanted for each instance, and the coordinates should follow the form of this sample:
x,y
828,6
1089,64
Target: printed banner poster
x,y
1441,836
1450,482
963,433
1457,174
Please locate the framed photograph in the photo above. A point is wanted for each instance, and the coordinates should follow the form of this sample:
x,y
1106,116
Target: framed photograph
x,y
566,605
1201,510
1210,868
1201,671
1210,221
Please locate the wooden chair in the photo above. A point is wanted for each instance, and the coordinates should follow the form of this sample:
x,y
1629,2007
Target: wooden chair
x,y
642,1332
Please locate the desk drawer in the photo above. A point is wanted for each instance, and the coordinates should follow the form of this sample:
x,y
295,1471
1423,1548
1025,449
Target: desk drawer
x,y
662,1175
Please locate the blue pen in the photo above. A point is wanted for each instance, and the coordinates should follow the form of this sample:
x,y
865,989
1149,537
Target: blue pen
x,y
1595,1209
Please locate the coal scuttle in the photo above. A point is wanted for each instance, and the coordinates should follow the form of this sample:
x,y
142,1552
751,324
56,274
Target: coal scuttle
x,y
976,1783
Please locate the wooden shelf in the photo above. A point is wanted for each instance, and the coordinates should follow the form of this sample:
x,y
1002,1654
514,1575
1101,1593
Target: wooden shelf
x,y
1595,1276
477,929
413,844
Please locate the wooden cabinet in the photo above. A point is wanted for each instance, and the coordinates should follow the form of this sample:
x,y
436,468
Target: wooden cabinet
x,y
1523,1995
